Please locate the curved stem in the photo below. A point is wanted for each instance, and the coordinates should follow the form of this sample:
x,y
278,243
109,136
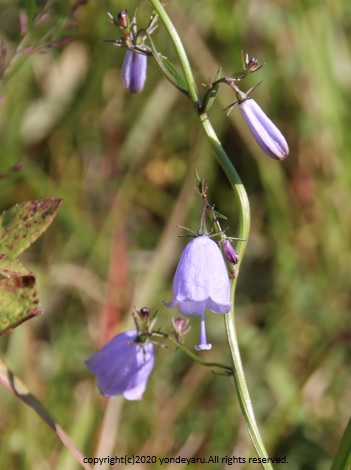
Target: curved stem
x,y
192,355
244,228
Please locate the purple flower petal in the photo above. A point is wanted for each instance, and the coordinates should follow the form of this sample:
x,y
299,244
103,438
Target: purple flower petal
x,y
265,132
134,71
189,308
122,366
201,281
201,276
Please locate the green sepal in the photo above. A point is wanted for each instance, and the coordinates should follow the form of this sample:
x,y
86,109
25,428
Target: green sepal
x,y
239,75
198,180
219,215
211,93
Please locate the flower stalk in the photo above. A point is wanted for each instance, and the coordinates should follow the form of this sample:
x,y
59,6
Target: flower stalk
x,y
227,370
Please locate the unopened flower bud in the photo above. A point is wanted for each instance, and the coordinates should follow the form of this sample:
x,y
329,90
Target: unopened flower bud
x,y
265,132
229,252
134,71
252,65
144,313
181,326
123,19
253,62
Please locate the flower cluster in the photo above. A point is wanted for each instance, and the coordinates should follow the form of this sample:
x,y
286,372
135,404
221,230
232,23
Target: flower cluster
x,y
201,281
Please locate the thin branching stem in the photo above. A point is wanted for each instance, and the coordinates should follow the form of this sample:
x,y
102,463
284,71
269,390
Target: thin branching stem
x,y
244,228
193,356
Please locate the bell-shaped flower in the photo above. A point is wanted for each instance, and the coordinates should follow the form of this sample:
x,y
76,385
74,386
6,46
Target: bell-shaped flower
x,y
122,366
265,132
201,282
134,71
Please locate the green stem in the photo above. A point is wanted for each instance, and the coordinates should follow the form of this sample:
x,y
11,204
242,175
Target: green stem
x,y
178,45
193,356
244,228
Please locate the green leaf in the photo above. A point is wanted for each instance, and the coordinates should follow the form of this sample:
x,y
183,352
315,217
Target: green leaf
x,y
21,225
239,75
220,216
169,70
12,267
174,73
19,302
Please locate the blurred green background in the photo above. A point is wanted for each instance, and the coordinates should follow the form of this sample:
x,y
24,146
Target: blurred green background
x,y
124,166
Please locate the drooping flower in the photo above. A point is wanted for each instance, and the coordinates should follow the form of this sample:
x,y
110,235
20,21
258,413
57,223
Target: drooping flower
x,y
265,132
201,282
134,71
122,366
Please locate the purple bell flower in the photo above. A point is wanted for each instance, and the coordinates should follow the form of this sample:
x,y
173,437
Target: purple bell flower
x,y
201,281
134,71
265,132
122,366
